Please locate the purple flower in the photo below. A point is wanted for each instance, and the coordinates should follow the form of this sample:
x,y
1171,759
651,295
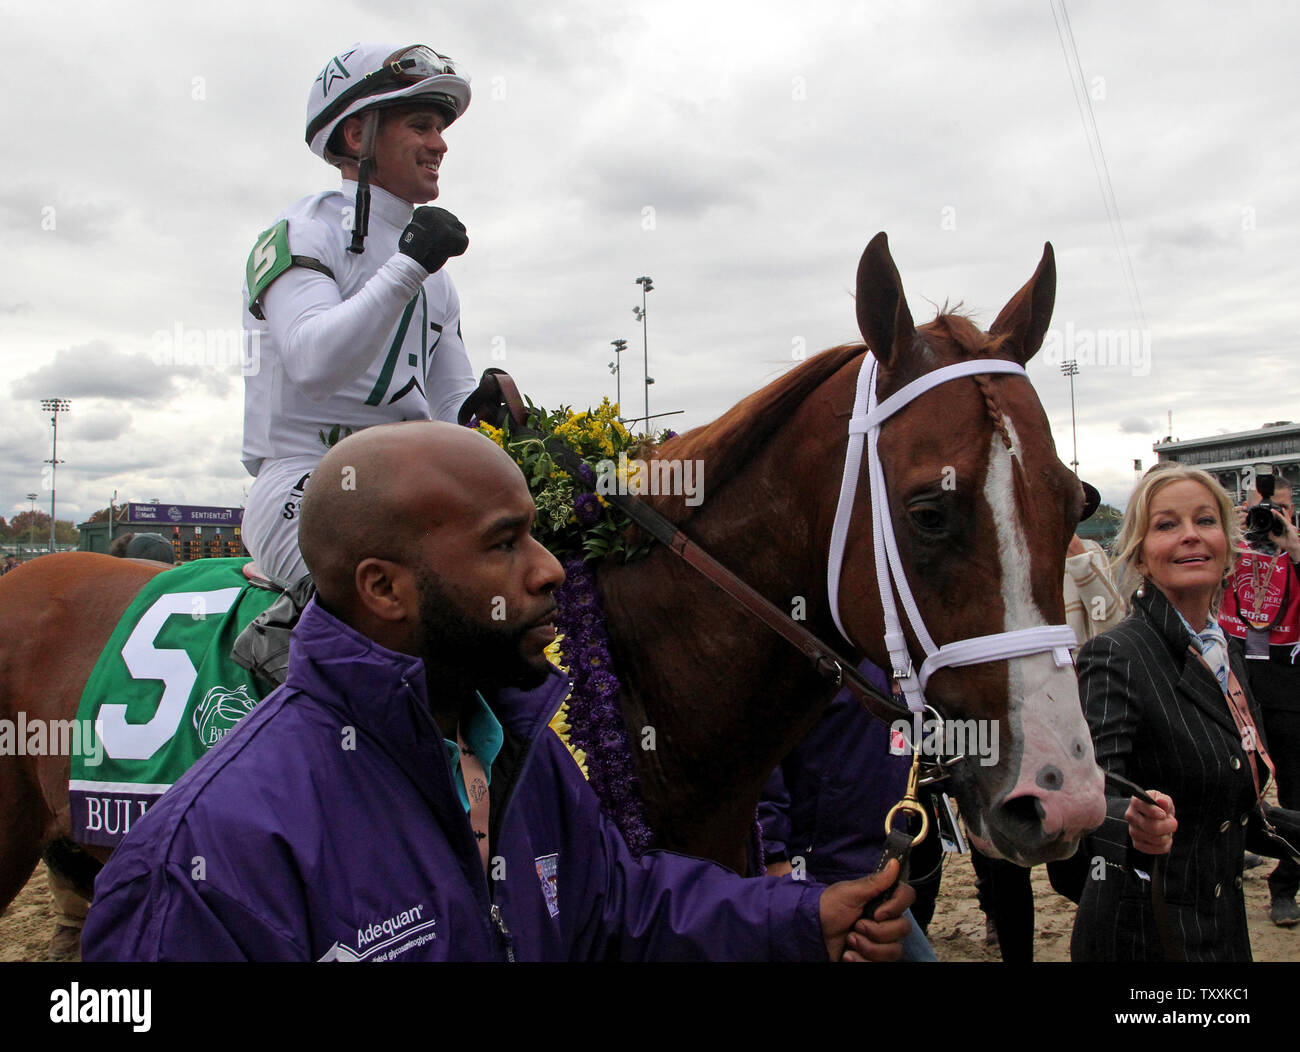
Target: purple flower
x,y
638,837
587,476
614,741
595,657
582,595
602,684
594,714
670,433
579,588
587,508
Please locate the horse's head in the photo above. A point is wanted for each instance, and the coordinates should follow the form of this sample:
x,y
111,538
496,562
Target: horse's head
x,y
982,509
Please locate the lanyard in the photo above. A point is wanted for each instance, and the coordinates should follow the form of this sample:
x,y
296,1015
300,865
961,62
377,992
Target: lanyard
x,y
1250,739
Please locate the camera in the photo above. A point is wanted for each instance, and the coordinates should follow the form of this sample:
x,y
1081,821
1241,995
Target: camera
x,y
1261,524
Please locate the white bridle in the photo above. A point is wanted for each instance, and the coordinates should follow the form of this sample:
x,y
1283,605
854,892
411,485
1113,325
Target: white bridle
x,y
866,420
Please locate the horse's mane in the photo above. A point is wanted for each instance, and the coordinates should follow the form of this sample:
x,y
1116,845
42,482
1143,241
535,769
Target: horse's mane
x,y
955,325
729,443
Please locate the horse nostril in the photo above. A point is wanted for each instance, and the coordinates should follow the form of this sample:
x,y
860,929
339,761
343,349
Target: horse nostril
x,y
1050,777
1024,814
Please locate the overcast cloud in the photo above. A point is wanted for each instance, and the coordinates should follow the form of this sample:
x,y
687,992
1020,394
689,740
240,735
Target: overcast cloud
x,y
742,154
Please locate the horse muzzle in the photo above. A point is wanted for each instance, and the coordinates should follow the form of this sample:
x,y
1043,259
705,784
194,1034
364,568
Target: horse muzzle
x,y
1038,805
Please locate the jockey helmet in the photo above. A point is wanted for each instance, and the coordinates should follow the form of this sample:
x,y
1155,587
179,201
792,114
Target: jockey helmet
x,y
372,76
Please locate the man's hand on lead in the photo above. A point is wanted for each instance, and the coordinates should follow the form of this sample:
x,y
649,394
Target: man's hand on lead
x,y
432,237
875,938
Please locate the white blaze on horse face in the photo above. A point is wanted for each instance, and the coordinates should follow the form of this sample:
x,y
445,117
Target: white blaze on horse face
x,y
1048,734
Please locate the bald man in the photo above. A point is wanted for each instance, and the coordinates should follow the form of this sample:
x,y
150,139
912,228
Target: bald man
x,y
402,796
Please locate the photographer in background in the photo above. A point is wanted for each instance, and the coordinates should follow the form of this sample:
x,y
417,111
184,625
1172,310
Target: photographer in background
x,y
1262,607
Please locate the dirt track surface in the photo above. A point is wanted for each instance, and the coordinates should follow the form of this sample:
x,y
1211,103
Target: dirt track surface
x,y
957,930
28,923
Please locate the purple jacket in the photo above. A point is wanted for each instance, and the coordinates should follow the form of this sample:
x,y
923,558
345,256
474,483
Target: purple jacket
x,y
327,826
827,801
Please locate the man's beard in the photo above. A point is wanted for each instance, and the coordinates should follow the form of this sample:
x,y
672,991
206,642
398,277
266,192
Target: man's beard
x,y
489,653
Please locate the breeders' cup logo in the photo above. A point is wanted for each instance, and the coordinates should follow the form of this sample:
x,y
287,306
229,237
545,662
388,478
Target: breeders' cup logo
x,y
174,513
220,709
547,872
1260,588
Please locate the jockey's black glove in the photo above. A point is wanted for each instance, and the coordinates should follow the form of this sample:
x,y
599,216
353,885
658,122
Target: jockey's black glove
x,y
432,237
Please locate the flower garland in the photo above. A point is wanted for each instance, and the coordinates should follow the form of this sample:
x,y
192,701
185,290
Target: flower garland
x,y
560,721
571,519
579,526
596,723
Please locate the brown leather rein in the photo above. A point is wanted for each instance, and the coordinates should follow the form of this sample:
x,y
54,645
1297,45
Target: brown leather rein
x,y
497,397
1169,945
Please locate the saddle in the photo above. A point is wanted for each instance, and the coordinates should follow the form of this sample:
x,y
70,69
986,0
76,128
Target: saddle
x,y
263,647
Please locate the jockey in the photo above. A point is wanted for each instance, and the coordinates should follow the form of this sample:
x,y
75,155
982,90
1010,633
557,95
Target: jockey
x,y
349,318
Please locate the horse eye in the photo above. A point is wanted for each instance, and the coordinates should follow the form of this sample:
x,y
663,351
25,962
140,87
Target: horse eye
x,y
927,518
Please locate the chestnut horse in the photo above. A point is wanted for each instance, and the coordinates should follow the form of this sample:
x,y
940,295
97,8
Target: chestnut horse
x,y
982,509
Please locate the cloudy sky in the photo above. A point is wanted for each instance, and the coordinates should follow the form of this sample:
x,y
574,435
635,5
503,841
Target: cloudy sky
x,y
741,154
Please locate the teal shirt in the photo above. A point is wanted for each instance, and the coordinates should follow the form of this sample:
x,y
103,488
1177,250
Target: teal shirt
x,y
482,733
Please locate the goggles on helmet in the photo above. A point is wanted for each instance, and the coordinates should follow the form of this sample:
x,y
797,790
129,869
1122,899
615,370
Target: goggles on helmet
x,y
408,66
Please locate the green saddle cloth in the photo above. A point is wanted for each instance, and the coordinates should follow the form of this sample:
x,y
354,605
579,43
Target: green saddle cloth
x,y
163,692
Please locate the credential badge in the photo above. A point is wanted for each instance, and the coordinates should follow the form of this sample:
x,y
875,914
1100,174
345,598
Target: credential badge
x,y
547,869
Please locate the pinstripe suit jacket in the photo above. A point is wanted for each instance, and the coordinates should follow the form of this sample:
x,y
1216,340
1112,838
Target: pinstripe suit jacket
x,y
1159,718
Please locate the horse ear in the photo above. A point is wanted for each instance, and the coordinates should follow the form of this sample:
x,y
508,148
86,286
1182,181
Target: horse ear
x,y
1025,319
883,317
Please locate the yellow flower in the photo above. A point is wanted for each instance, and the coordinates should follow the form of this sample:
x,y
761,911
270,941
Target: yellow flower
x,y
493,433
555,653
627,471
560,725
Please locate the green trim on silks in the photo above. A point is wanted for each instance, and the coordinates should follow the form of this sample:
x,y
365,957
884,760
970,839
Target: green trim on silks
x,y
424,333
390,363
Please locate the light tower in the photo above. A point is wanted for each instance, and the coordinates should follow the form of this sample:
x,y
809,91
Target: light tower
x,y
31,531
646,286
616,367
54,406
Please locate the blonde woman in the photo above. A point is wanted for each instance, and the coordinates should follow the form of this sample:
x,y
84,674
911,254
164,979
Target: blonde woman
x,y
1163,698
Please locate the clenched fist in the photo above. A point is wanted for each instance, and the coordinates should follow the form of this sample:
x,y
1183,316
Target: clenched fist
x,y
432,237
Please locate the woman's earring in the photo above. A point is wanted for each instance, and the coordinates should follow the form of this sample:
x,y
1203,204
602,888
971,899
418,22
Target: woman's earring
x,y
1142,589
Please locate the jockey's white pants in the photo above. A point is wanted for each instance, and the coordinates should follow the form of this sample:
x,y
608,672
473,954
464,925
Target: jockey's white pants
x,y
270,529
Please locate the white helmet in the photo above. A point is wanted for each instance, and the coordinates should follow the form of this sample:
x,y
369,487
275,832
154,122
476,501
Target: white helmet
x,y
370,76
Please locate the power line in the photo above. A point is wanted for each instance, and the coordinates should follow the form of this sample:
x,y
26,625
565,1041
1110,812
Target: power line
x,y
1092,134
1126,257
